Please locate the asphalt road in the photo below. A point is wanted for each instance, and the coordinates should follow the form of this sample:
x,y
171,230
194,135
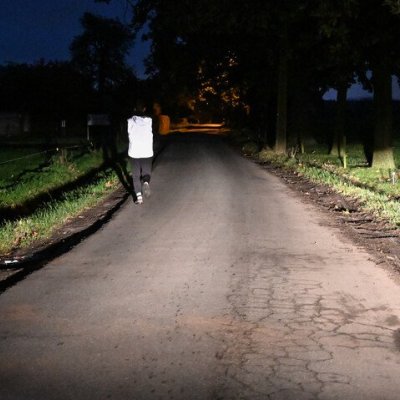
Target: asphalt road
x,y
223,285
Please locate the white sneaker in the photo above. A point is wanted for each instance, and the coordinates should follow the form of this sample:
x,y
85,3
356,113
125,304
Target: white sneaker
x,y
146,189
139,198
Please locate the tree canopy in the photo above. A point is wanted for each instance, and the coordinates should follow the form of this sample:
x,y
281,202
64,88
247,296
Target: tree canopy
x,y
100,51
283,55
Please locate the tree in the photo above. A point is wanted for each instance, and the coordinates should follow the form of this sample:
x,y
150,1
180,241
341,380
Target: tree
x,y
381,51
189,52
100,51
342,58
193,40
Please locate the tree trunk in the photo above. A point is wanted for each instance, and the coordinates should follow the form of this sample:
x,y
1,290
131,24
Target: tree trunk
x,y
337,148
281,122
382,156
300,111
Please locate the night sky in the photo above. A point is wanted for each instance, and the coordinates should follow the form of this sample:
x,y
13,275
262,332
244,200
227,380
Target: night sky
x,y
35,29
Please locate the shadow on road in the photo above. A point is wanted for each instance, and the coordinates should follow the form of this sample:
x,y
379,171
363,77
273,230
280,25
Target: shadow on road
x,y
40,258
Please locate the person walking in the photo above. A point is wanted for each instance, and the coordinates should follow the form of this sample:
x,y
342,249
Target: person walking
x,y
140,151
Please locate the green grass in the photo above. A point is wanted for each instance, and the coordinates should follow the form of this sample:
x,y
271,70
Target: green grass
x,y
45,220
14,161
374,188
30,176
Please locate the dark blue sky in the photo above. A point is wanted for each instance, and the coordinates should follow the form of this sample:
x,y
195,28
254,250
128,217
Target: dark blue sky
x,y
356,92
34,29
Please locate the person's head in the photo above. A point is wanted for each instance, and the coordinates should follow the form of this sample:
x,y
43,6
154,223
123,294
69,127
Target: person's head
x,y
140,108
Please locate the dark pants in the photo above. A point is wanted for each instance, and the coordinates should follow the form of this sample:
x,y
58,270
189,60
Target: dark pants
x,y
141,171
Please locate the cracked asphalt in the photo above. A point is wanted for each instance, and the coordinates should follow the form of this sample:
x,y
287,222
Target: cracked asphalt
x,y
223,285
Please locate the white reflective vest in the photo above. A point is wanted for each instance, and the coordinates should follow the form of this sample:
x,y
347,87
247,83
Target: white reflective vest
x,y
140,137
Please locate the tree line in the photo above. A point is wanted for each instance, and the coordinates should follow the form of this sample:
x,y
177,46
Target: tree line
x,y
258,61
275,59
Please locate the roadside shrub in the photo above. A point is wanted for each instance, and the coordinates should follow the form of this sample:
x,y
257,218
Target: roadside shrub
x,y
250,148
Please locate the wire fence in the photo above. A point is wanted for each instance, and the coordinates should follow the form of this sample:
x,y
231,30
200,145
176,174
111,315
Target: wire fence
x,y
55,150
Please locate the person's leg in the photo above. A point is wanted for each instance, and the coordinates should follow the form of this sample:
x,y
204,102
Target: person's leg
x,y
136,171
146,168
146,175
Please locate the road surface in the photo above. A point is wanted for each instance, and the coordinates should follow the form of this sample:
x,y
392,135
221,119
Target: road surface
x,y
223,285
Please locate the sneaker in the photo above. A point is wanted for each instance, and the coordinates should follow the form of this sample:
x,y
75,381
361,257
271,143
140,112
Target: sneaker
x,y
139,199
146,189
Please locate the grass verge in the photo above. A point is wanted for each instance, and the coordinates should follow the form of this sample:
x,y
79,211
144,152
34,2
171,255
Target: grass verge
x,y
373,188
46,219
31,176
